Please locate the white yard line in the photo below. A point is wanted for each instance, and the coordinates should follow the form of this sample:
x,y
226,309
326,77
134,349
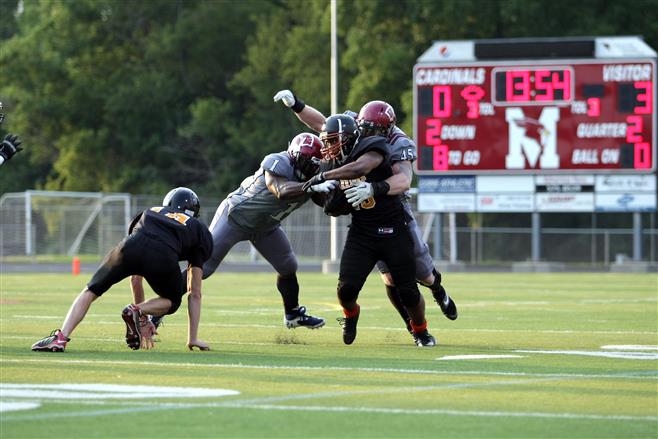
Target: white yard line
x,y
265,404
52,360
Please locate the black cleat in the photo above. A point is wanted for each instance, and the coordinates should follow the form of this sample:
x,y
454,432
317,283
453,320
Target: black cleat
x,y
131,316
445,302
349,328
298,317
424,339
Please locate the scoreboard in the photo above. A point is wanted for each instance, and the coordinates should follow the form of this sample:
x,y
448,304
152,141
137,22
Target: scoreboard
x,y
539,116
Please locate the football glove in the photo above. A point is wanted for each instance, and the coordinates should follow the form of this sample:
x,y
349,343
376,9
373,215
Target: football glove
x,y
9,146
290,100
286,97
360,193
325,187
316,179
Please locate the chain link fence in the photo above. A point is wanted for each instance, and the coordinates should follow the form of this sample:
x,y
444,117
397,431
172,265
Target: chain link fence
x,y
39,223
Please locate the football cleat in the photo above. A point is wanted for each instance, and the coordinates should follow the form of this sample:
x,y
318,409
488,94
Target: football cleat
x,y
424,339
445,302
131,315
55,342
349,327
298,317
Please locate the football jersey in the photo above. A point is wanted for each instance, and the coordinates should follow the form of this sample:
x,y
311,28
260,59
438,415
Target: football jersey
x,y
252,206
381,215
402,149
185,235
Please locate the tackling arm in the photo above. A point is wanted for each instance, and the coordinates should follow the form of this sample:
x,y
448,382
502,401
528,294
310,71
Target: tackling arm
x,y
400,181
312,118
308,115
281,187
362,166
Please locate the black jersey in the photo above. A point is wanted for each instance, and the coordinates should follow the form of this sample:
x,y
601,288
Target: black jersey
x,y
186,236
381,215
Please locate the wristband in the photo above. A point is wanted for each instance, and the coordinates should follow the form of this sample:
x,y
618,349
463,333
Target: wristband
x,y
380,188
298,106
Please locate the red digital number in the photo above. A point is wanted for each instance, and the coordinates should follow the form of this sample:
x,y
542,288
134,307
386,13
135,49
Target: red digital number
x,y
540,84
594,107
634,129
472,95
563,84
646,97
642,156
441,101
517,81
440,157
433,132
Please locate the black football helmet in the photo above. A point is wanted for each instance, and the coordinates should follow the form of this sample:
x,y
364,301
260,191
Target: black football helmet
x,y
376,118
183,200
304,152
339,135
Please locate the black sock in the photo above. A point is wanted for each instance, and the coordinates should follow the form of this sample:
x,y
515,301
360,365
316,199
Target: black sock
x,y
289,289
394,296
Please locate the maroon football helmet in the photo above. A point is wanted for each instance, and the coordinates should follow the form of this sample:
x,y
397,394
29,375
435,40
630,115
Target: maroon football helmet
x,y
376,118
304,152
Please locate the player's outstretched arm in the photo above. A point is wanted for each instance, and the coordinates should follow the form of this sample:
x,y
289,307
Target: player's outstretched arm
x,y
194,276
308,115
9,146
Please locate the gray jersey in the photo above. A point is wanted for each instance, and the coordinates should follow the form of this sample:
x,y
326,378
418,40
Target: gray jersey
x,y
252,207
402,148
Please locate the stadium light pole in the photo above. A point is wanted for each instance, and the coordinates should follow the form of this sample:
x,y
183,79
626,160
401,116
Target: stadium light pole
x,y
334,108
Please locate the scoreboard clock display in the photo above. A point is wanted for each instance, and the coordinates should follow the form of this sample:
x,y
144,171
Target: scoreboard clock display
x,y
539,116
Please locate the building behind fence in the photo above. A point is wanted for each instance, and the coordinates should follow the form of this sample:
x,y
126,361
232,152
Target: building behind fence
x,y
44,223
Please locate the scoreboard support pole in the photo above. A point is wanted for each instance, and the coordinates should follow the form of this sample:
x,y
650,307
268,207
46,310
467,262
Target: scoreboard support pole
x,y
637,236
535,249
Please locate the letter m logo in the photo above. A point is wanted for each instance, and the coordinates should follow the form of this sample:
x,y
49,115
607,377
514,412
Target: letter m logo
x,y
532,140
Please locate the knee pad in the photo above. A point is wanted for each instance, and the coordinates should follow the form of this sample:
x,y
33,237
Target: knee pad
x,y
409,295
347,292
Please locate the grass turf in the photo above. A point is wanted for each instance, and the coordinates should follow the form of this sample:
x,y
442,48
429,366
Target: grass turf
x,y
558,377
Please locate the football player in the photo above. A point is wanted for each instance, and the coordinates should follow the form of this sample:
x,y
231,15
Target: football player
x,y
378,231
10,145
378,117
157,239
254,211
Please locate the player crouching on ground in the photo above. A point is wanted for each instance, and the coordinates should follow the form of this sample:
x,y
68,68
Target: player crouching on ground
x,y
158,238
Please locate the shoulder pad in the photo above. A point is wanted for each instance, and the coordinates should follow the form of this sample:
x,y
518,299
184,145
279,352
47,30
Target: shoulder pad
x,y
277,164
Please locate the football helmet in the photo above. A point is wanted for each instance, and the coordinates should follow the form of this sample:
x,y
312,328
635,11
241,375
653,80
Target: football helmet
x,y
339,135
183,200
376,118
304,152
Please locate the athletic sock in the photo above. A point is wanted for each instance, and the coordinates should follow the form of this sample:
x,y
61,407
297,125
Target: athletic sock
x,y
289,289
353,313
419,328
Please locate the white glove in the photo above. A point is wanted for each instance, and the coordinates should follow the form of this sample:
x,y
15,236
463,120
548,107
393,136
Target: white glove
x,y
360,193
324,187
286,96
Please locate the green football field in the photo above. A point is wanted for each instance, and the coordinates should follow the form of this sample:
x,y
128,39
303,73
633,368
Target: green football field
x,y
531,355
